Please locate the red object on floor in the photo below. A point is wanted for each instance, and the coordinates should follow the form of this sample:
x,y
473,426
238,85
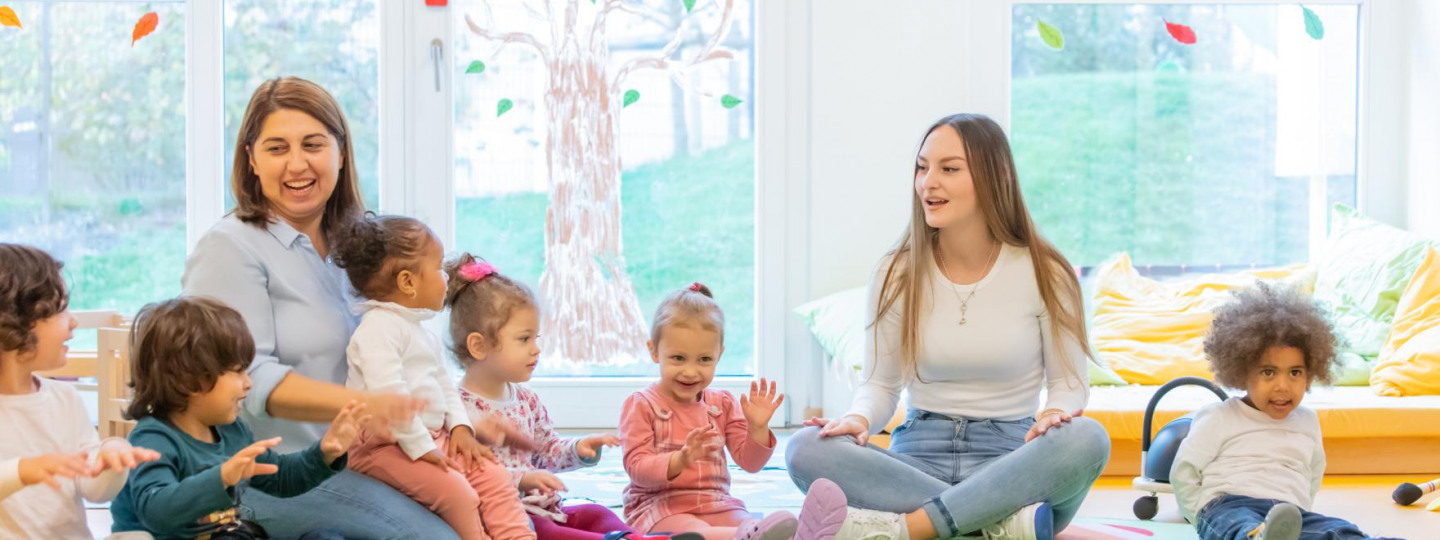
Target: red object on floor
x,y
436,3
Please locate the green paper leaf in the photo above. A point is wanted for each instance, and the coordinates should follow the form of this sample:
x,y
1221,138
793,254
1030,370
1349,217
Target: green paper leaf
x,y
1313,26
689,5
631,96
476,67
503,107
729,101
1050,35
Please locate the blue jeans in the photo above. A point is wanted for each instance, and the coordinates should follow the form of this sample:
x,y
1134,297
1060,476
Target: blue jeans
x,y
1232,517
966,473
350,504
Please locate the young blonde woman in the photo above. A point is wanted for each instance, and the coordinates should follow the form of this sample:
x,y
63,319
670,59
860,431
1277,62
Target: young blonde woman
x,y
973,313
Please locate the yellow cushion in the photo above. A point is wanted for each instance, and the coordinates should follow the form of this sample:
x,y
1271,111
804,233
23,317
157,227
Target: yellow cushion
x,y
1150,332
1409,362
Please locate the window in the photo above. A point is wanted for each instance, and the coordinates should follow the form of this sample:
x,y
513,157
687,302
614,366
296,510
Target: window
x,y
538,167
92,147
334,43
1227,151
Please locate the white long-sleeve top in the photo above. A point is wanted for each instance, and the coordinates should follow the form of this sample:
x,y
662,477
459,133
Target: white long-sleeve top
x,y
391,352
1235,449
993,366
51,420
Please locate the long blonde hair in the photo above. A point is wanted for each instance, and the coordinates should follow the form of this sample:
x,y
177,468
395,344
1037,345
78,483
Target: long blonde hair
x,y
997,189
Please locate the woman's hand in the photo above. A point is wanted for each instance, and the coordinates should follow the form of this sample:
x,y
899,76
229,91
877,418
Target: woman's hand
x,y
387,409
493,430
853,426
1050,419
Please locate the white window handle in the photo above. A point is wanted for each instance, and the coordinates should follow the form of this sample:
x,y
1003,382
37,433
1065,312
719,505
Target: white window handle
x,y
437,53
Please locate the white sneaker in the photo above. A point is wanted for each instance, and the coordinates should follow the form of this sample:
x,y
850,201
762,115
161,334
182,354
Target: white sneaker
x,y
1034,522
861,524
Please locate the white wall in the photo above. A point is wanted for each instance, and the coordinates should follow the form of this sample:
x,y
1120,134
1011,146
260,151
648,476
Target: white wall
x,y
1423,112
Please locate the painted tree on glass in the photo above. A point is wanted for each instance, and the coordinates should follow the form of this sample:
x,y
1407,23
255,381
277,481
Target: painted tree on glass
x,y
592,314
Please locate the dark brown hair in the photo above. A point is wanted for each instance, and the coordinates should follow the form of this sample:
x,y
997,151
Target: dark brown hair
x,y
693,304
31,290
296,94
481,307
180,347
1266,316
374,250
997,191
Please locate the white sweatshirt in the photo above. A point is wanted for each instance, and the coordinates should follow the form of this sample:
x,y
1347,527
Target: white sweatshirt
x,y
391,352
993,366
51,420
1234,449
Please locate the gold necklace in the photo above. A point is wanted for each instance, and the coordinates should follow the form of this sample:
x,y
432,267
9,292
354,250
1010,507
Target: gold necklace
x,y
965,302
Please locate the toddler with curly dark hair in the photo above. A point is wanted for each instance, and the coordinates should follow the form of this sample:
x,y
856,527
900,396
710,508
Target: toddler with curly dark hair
x,y
1251,465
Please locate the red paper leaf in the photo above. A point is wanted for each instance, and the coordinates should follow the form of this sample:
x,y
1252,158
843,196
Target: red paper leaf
x,y
143,28
1180,32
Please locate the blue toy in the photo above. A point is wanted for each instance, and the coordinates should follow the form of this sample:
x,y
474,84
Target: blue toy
x,y
1157,456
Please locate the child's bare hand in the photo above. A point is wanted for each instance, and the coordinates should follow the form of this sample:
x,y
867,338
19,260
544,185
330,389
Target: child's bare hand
x,y
467,451
760,404
699,443
434,457
242,465
46,468
343,430
589,447
543,481
119,456
495,431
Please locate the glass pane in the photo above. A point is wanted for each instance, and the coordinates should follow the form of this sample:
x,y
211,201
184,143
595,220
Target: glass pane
x,y
92,147
334,43
685,164
1227,151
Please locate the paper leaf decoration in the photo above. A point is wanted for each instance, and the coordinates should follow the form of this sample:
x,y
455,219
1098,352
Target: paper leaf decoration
x,y
476,67
1050,35
144,27
631,96
503,107
689,5
729,101
1313,26
9,18
1180,32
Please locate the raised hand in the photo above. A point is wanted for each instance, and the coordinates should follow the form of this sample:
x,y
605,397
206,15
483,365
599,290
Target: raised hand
x,y
589,447
343,430
118,456
760,404
48,467
700,442
242,465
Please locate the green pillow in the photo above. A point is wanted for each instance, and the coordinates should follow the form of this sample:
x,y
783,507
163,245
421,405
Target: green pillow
x,y
1352,369
1361,275
838,323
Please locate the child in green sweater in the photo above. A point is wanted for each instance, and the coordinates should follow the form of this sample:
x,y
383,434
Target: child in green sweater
x,y
189,360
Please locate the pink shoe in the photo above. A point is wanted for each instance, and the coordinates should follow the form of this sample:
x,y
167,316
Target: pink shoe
x,y
776,526
823,512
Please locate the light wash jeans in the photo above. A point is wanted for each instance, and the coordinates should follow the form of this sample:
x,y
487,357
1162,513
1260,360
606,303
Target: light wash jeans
x,y
966,473
351,504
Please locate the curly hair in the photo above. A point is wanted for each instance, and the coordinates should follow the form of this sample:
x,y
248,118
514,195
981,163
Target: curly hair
x,y
31,290
375,249
691,305
480,307
1266,316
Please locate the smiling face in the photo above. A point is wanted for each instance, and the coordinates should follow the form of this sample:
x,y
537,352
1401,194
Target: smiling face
x,y
297,161
687,355
221,404
943,183
1278,382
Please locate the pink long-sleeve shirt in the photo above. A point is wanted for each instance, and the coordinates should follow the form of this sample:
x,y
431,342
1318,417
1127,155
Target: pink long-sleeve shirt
x,y
654,426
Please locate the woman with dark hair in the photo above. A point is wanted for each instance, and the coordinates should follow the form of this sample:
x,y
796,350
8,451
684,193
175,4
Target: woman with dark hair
x,y
295,187
972,313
